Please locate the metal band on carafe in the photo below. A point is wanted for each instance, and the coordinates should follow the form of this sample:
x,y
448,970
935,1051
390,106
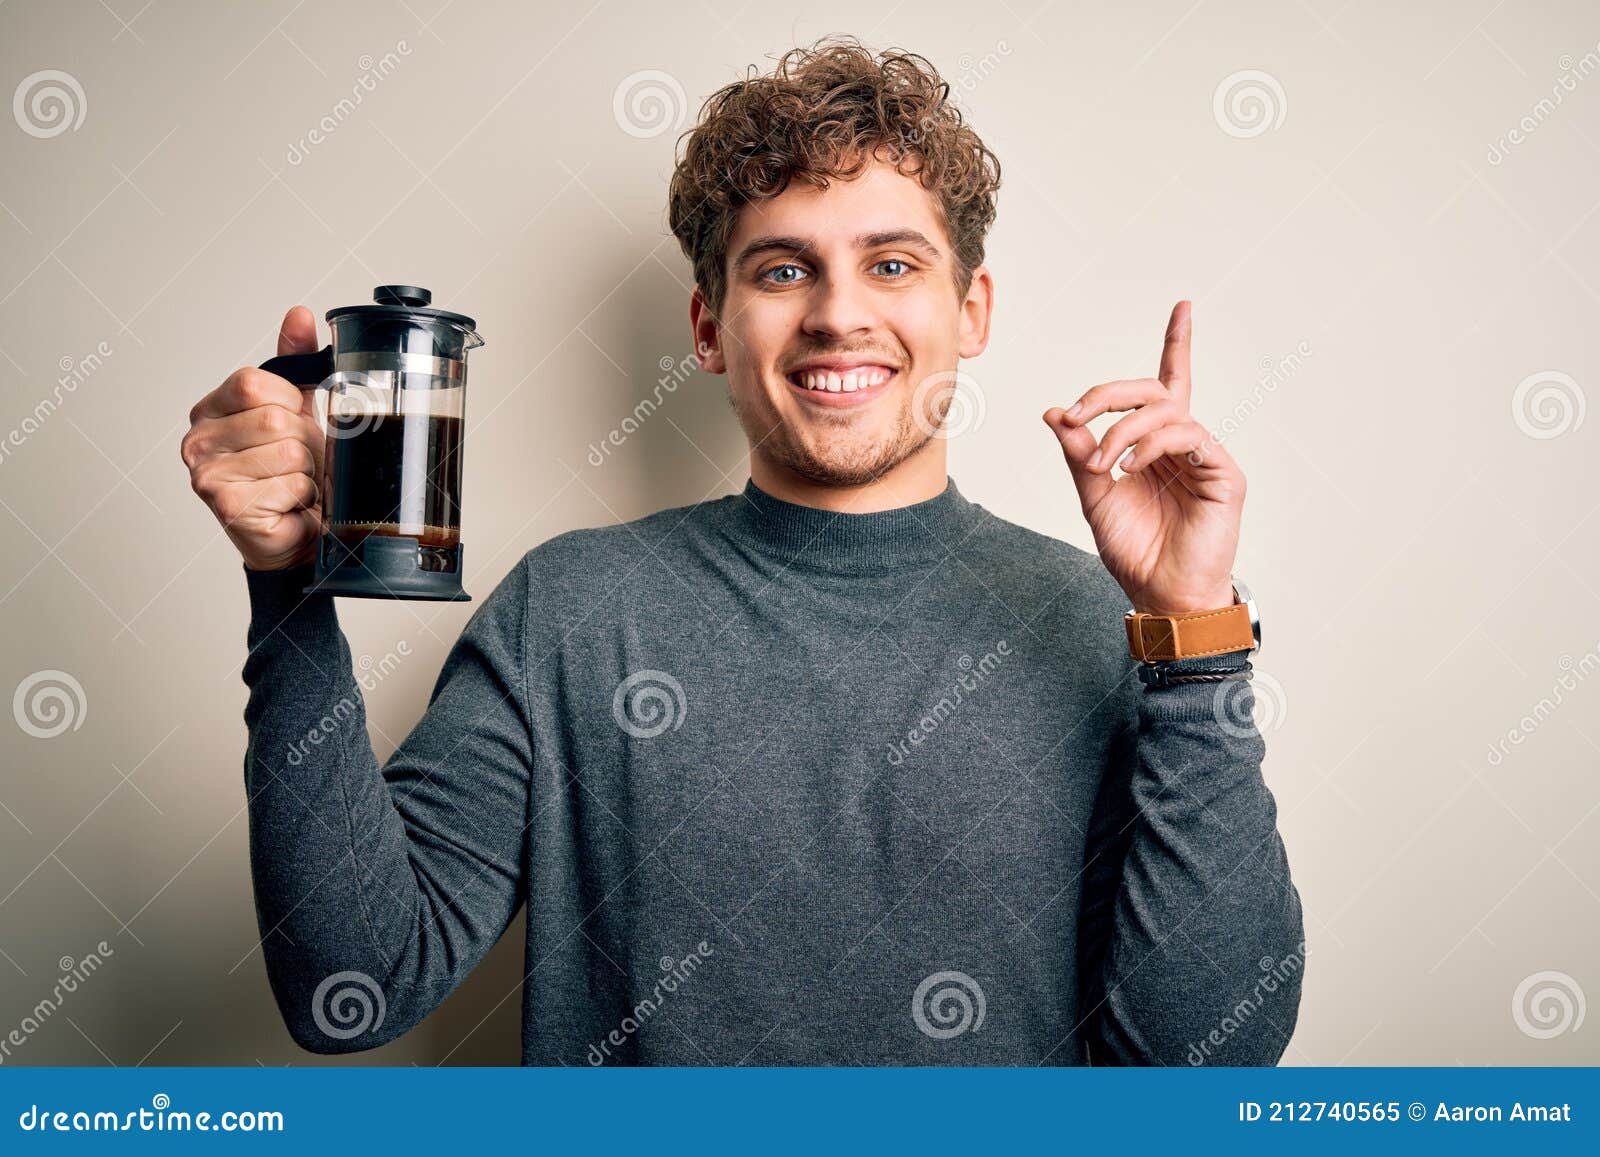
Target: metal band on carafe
x,y
372,361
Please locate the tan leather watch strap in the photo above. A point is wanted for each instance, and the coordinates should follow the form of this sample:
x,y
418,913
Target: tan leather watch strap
x,y
1154,638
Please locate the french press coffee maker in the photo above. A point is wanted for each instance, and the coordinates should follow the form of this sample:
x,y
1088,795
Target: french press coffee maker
x,y
396,377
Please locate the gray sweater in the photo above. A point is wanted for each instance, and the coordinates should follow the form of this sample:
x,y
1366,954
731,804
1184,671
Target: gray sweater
x,y
778,786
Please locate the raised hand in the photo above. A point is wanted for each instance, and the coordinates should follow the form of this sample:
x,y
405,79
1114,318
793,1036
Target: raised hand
x,y
1168,529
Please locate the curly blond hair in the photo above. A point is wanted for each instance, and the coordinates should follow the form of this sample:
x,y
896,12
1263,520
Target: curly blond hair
x,y
823,114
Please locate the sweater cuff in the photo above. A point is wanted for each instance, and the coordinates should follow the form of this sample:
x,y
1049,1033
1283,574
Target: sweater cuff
x,y
1202,702
278,602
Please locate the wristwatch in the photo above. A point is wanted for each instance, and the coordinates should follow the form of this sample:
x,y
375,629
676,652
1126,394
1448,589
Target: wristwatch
x,y
1198,634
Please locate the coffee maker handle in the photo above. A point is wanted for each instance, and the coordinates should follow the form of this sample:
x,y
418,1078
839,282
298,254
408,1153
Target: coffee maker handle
x,y
308,371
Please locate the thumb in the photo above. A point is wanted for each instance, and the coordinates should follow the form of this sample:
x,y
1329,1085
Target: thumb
x,y
298,334
1077,444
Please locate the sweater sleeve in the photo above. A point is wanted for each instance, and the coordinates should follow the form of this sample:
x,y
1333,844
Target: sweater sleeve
x,y
379,888
1192,945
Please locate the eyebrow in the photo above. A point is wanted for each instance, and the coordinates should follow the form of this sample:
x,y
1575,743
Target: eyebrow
x,y
790,244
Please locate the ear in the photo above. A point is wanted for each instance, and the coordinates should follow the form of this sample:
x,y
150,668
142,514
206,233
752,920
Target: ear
x,y
707,334
976,309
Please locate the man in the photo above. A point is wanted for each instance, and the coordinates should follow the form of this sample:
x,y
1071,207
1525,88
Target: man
x,y
843,769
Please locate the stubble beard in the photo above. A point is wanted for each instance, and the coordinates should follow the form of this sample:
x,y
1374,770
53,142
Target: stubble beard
x,y
842,460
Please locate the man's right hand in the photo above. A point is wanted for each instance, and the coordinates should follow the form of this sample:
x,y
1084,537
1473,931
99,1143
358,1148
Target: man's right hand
x,y
254,452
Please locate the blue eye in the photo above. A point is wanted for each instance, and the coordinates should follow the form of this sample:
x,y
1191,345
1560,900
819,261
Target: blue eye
x,y
797,272
904,268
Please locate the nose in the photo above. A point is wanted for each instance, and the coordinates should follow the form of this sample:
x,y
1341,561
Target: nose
x,y
839,308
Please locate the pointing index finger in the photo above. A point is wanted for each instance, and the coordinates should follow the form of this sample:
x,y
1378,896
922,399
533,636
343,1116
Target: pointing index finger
x,y
1175,353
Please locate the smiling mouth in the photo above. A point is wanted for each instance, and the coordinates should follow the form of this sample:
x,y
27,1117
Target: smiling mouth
x,y
842,385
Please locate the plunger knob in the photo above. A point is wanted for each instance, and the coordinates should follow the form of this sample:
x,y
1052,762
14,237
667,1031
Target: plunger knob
x,y
413,296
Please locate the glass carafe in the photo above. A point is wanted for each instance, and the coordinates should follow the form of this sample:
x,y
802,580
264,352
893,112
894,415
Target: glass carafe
x,y
395,376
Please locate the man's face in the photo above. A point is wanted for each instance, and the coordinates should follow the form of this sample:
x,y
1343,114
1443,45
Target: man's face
x,y
841,325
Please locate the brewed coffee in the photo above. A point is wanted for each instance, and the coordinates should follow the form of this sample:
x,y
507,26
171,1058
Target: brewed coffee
x,y
394,474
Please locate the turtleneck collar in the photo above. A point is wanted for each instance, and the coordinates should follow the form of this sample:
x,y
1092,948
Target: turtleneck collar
x,y
825,539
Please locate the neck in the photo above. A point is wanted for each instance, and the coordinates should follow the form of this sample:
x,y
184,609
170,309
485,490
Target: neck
x,y
850,541
914,479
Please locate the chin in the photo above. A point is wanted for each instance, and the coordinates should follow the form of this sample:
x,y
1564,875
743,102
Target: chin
x,y
851,462
842,447
839,474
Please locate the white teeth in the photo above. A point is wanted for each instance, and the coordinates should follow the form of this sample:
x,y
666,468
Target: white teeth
x,y
843,383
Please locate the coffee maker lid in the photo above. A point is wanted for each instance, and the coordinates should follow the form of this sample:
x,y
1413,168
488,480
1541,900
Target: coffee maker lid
x,y
403,303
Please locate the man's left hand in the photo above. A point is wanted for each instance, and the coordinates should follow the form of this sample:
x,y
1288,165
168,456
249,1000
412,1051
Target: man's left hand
x,y
1168,529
